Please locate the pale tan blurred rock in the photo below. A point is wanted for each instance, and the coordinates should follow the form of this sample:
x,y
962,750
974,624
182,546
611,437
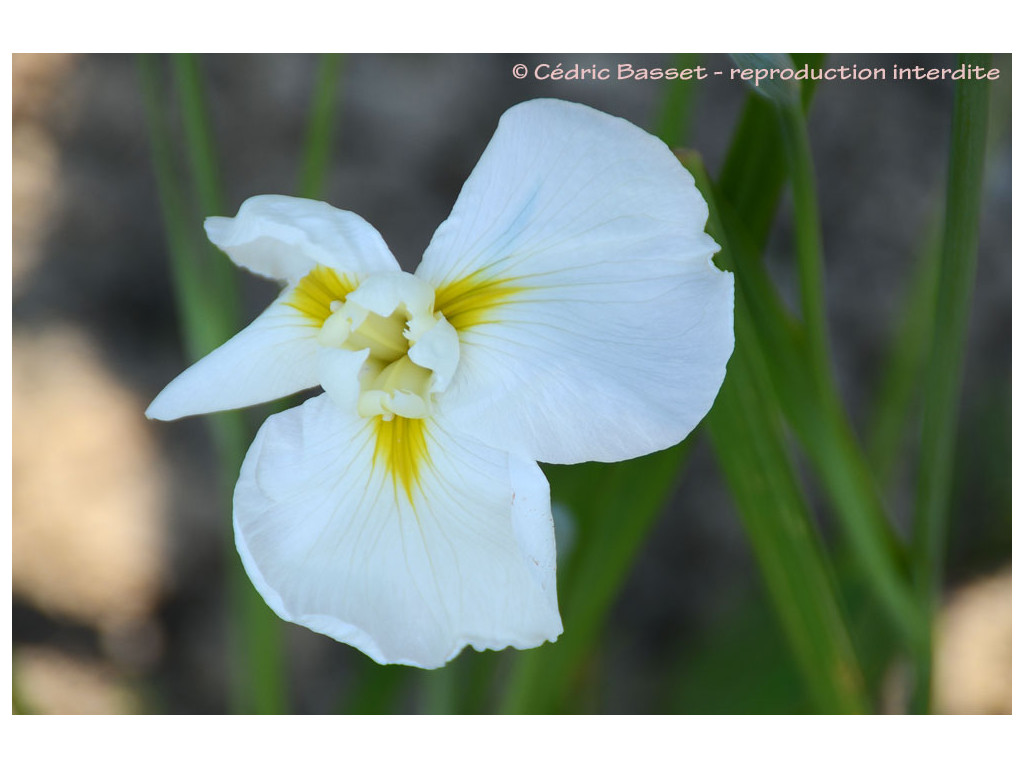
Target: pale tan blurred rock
x,y
34,182
36,79
49,682
973,655
87,521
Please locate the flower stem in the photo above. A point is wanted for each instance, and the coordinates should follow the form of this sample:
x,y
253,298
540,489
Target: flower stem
x,y
945,362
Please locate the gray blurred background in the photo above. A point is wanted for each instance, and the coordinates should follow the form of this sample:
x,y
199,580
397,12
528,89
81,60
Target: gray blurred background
x,y
118,525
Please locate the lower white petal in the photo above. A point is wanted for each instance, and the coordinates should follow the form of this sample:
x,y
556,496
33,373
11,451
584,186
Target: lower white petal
x,y
274,356
408,546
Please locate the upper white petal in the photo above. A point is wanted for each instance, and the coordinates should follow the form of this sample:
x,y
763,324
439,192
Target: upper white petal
x,y
283,238
615,328
272,357
332,542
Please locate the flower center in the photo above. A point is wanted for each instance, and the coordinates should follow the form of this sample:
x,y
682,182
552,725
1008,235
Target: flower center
x,y
411,350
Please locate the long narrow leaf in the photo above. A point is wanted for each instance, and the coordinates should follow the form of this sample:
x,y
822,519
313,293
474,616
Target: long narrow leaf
x,y
945,361
320,130
755,166
887,432
825,429
748,438
797,361
206,312
206,185
677,109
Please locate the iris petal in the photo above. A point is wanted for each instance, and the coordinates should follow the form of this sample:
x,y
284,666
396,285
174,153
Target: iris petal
x,y
323,253
576,269
399,537
274,356
284,238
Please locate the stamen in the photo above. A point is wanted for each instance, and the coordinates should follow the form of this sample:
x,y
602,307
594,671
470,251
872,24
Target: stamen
x,y
405,375
383,336
391,382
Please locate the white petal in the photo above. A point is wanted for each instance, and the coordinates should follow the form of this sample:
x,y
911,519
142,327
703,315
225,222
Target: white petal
x,y
334,541
438,350
283,238
385,292
575,267
272,357
338,370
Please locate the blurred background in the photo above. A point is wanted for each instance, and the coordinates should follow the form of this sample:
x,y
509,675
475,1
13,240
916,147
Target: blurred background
x,y
120,526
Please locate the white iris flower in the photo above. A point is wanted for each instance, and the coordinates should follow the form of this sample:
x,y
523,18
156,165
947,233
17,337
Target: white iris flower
x,y
567,311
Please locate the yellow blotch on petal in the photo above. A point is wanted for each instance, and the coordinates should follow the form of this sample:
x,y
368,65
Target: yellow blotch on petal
x,y
471,300
401,451
315,292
